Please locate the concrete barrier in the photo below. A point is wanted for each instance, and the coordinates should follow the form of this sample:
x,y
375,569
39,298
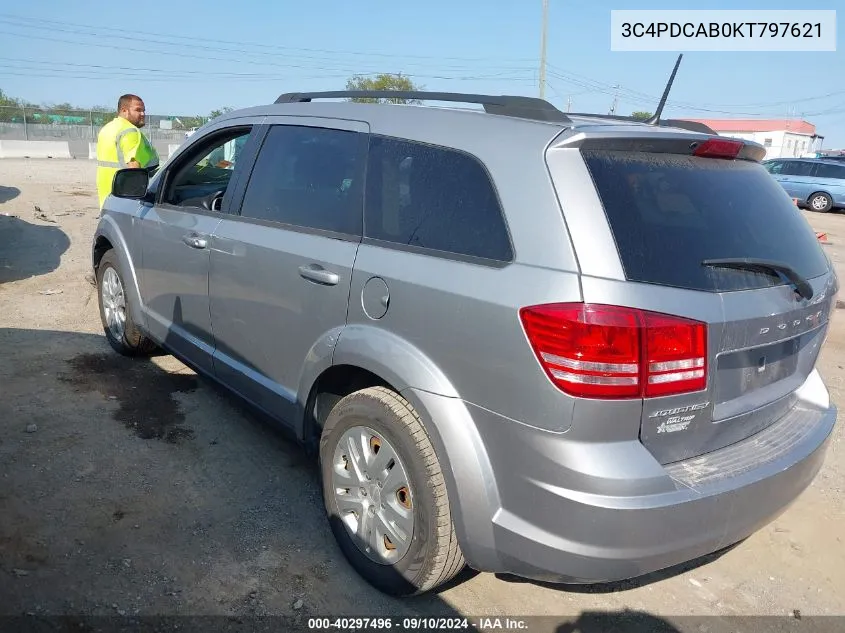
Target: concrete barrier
x,y
92,151
34,149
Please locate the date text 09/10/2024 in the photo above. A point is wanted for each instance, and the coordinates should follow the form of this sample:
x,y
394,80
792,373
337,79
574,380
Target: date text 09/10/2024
x,y
494,623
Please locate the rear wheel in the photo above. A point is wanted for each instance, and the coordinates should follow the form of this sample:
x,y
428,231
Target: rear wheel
x,y
820,202
115,312
385,495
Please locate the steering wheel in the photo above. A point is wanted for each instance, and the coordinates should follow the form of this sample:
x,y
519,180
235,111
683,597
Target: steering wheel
x,y
214,200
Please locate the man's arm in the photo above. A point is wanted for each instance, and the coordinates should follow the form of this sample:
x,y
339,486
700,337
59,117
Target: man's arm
x,y
129,145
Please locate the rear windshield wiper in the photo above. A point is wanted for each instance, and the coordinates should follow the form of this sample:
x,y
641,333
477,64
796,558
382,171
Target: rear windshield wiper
x,y
750,263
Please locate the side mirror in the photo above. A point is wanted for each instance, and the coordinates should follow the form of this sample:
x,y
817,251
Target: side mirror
x,y
131,183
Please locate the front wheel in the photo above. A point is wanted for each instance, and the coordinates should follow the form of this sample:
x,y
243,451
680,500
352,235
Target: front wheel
x,y
385,495
115,313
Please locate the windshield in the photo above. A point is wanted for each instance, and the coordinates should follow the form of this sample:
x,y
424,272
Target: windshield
x,y
669,213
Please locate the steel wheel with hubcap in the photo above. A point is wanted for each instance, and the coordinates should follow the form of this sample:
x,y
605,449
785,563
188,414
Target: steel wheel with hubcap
x,y
385,494
114,303
116,311
821,202
373,494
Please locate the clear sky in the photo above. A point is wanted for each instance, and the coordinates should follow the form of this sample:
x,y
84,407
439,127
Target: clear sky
x,y
188,58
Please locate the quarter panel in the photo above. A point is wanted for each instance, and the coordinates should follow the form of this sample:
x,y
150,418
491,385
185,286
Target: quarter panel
x,y
391,357
471,486
465,319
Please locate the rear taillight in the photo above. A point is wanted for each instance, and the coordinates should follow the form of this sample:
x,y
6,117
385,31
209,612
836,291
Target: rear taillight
x,y
601,351
718,148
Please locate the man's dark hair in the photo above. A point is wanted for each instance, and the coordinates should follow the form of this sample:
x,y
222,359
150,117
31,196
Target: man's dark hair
x,y
126,100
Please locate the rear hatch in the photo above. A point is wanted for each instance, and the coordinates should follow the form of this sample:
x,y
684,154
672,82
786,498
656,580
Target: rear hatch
x,y
717,225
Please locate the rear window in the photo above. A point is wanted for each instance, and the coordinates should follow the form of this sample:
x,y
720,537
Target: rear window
x,y
435,199
670,212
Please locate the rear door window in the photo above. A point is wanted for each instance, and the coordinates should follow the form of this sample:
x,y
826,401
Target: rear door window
x,y
824,170
670,212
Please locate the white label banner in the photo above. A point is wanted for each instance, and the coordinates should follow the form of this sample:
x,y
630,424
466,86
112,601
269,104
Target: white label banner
x,y
723,30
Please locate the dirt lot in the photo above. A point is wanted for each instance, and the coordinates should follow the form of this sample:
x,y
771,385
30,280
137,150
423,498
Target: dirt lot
x,y
137,488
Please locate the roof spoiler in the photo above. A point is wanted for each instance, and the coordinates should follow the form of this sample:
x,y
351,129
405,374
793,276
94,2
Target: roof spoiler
x,y
692,126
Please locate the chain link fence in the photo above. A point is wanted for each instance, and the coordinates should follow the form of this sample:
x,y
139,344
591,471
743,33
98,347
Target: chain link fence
x,y
80,127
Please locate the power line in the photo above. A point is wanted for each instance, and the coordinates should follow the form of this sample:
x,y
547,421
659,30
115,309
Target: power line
x,y
506,74
543,49
645,98
321,63
224,74
100,76
348,71
182,38
134,69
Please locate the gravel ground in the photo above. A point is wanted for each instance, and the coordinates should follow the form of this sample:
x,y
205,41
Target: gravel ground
x,y
135,487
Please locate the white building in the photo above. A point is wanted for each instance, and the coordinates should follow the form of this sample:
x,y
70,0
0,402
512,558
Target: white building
x,y
780,137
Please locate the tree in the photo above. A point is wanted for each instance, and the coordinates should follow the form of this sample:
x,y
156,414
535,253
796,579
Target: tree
x,y
5,100
9,107
216,113
641,116
383,81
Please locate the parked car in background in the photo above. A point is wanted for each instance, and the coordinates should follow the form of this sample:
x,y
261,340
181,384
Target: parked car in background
x,y
817,183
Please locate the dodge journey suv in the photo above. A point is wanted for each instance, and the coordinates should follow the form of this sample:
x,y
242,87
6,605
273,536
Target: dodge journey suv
x,y
571,348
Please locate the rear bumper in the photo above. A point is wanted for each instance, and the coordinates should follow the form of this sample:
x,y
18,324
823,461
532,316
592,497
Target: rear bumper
x,y
577,512
604,539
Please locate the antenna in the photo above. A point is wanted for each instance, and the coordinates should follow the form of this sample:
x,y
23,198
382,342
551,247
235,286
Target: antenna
x,y
655,119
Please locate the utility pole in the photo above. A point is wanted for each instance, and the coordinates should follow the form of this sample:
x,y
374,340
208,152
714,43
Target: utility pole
x,y
543,49
569,104
615,99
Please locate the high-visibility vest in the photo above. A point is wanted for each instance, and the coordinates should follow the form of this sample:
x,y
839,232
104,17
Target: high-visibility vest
x,y
118,143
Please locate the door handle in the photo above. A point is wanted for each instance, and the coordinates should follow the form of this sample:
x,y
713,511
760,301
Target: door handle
x,y
320,275
195,241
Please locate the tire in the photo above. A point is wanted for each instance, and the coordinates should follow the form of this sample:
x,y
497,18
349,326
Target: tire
x,y
429,556
820,202
127,340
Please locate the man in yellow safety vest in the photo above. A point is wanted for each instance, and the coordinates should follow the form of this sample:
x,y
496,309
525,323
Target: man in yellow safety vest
x,y
121,144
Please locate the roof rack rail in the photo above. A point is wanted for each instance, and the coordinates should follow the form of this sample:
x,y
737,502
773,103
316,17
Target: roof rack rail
x,y
506,105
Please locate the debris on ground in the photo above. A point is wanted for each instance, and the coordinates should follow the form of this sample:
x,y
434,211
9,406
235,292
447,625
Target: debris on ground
x,y
39,214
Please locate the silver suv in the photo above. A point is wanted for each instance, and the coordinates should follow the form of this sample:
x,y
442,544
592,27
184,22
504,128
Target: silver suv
x,y
572,348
